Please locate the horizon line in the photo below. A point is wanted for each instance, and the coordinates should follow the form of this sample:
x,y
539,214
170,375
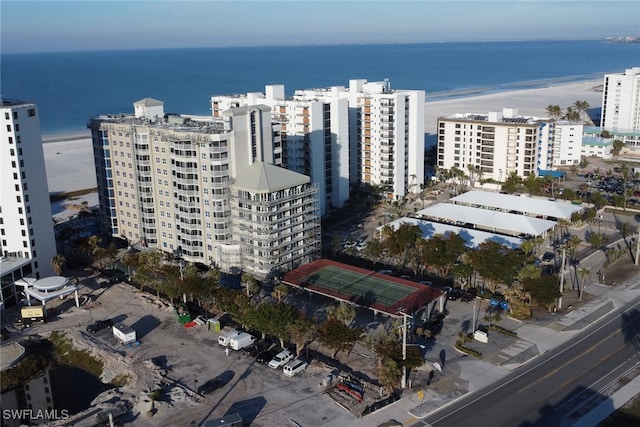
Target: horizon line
x,y
603,39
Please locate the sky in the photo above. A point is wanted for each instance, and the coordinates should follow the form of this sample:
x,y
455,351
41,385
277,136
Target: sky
x,y
54,25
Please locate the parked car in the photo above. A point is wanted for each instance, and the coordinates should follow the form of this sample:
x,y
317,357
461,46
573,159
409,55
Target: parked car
x,y
266,356
294,367
281,359
99,325
256,348
454,294
467,297
548,257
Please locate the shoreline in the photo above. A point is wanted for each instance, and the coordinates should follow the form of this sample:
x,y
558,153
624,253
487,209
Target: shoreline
x,y
431,97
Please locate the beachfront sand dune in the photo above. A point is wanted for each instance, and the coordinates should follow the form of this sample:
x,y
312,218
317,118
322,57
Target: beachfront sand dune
x,y
69,157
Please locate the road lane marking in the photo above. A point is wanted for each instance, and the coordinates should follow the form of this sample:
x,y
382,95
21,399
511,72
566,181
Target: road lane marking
x,y
589,350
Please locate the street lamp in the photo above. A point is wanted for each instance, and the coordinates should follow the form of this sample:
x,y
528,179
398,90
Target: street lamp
x,y
500,178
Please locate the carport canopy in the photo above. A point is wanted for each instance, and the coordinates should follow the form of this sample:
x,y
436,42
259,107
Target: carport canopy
x,y
534,206
486,219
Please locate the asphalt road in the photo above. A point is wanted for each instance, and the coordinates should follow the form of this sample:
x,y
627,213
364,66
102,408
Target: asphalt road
x,y
550,390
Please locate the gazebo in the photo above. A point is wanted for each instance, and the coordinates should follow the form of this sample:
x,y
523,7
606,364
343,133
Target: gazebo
x,y
48,288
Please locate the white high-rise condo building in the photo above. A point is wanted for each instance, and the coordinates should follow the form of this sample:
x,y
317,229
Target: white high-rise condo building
x,y
364,134
165,181
26,225
314,135
500,143
621,105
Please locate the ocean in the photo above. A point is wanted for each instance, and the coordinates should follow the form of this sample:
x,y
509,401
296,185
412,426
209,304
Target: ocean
x,y
72,87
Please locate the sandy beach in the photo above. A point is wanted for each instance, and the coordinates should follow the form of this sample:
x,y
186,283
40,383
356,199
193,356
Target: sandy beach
x,y
529,102
69,156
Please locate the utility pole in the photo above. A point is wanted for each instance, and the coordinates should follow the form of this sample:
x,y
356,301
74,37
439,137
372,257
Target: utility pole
x,y
403,383
561,277
637,246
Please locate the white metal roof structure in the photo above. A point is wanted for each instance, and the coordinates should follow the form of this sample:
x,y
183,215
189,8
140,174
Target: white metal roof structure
x,y
488,220
48,288
526,204
471,236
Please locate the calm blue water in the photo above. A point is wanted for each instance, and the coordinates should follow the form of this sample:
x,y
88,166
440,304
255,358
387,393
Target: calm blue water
x,y
72,87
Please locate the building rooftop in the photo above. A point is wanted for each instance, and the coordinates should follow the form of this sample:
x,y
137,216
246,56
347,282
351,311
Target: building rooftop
x,y
149,102
264,177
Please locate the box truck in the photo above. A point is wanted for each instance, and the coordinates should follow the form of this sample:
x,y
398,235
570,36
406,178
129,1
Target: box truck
x,y
124,333
241,341
31,314
224,338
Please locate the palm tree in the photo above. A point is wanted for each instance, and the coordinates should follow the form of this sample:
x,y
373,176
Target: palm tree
x,y
618,145
279,291
581,107
554,111
572,115
57,262
250,284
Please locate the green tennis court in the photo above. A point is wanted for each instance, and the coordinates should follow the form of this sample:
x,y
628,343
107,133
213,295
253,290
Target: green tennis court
x,y
357,285
369,287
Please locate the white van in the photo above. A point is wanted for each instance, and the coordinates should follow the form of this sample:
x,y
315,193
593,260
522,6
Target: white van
x,y
294,367
224,337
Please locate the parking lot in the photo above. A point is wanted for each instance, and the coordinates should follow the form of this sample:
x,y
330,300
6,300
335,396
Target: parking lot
x,y
179,360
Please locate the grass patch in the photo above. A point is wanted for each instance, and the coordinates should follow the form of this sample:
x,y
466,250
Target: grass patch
x,y
65,354
503,330
120,380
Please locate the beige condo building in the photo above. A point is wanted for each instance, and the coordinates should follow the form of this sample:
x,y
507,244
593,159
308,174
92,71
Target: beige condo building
x,y
165,181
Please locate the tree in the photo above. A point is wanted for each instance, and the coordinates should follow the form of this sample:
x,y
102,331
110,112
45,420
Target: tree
x,y
57,262
280,291
336,336
390,362
511,183
519,301
96,250
462,273
390,374
496,263
442,252
571,115
617,147
302,331
475,173
581,107
399,241
584,272
554,111
149,270
250,284
343,312
129,260
544,290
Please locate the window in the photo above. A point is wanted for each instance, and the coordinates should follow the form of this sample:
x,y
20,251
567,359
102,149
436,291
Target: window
x,y
31,112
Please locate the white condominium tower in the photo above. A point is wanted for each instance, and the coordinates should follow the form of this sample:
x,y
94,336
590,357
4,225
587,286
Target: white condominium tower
x,y
314,134
165,182
364,134
621,105
388,129
26,225
499,143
